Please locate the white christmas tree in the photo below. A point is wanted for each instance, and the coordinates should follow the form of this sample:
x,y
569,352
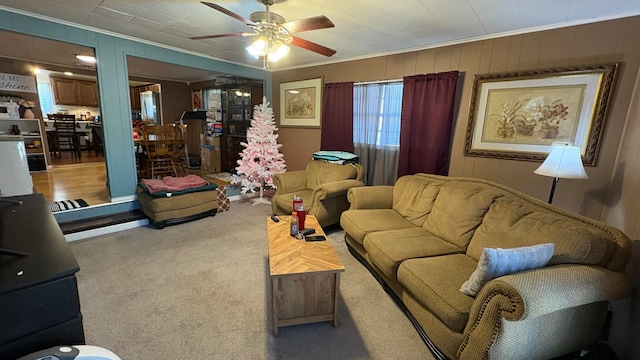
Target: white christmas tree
x,y
261,158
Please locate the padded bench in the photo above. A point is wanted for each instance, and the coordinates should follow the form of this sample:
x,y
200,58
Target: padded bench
x,y
178,208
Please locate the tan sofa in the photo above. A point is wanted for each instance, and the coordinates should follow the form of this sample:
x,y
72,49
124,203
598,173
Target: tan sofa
x,y
423,238
322,186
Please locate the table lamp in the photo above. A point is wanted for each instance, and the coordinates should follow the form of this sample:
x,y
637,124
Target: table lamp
x,y
564,161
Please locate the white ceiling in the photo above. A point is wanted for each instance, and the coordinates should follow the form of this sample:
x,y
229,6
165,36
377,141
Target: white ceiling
x,y
363,28
58,56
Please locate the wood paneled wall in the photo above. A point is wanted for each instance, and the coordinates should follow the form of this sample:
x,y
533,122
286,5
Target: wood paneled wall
x,y
610,194
586,44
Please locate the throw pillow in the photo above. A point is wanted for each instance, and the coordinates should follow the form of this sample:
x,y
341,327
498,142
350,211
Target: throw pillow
x,y
494,263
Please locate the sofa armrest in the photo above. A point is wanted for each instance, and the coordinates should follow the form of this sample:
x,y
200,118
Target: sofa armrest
x,y
571,285
371,197
338,188
290,181
524,295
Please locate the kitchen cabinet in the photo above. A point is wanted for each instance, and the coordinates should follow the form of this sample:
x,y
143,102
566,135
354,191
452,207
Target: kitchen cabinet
x,y
87,93
238,102
35,140
75,92
64,91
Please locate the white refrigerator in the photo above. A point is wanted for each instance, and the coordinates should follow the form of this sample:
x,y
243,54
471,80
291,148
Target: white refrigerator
x,y
150,104
15,179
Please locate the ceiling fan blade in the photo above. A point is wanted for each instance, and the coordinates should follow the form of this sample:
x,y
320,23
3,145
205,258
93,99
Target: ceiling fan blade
x,y
228,12
219,36
312,23
311,46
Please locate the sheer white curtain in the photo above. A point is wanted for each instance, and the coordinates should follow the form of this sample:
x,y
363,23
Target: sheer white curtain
x,y
376,130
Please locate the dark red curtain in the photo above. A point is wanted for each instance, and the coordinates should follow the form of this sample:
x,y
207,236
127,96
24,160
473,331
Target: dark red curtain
x,y
426,121
337,117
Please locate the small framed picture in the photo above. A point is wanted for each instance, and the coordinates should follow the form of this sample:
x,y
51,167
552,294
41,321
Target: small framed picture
x,y
196,100
301,103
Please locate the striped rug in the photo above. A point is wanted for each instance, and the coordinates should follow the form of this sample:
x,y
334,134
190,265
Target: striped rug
x,y
67,205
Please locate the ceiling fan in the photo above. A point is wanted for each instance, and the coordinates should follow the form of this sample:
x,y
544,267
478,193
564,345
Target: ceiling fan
x,y
274,32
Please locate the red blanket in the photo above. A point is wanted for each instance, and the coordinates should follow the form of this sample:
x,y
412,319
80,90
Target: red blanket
x,y
170,183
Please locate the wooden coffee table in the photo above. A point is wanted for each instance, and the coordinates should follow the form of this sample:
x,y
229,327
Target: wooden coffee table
x,y
305,276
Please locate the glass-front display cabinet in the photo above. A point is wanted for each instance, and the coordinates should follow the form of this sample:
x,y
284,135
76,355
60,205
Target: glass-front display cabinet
x,y
238,102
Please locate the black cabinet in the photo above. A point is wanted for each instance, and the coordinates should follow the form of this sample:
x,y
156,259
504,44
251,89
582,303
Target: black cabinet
x,y
39,303
230,149
238,102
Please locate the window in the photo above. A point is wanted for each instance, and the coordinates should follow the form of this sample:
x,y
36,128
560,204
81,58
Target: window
x,y
376,114
46,98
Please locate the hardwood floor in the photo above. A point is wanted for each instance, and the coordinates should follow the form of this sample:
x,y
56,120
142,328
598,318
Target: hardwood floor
x,y
84,178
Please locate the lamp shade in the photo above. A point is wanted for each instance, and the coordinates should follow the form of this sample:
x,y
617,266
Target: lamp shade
x,y
564,161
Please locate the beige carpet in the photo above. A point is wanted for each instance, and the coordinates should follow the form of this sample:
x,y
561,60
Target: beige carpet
x,y
201,290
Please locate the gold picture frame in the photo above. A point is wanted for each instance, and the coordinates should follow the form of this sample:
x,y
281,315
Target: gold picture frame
x,y
518,115
301,103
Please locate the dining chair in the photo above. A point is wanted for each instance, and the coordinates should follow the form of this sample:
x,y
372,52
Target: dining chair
x,y
64,135
97,139
181,159
160,143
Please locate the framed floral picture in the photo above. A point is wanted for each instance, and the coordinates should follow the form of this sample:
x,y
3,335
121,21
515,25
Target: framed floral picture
x,y
300,103
518,115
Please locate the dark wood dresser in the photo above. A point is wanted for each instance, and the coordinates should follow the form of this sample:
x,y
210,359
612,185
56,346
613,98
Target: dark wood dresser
x,y
39,304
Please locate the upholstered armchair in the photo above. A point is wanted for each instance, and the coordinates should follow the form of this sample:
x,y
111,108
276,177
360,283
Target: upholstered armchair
x,y
322,186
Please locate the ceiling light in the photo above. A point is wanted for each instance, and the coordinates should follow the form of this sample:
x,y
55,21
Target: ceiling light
x,y
258,48
36,70
86,58
68,73
270,47
281,51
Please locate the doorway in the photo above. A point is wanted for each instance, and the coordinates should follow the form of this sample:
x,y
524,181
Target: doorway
x,y
64,85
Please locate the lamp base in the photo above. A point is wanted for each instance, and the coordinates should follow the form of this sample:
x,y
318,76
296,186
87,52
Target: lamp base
x,y
553,189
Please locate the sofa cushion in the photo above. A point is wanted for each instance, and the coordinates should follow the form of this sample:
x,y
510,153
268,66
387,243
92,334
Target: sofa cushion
x,y
285,201
498,262
359,223
434,282
511,223
387,249
458,210
321,172
413,197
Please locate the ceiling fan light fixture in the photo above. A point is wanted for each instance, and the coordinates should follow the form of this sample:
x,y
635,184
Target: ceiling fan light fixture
x,y
281,50
269,48
274,33
258,48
